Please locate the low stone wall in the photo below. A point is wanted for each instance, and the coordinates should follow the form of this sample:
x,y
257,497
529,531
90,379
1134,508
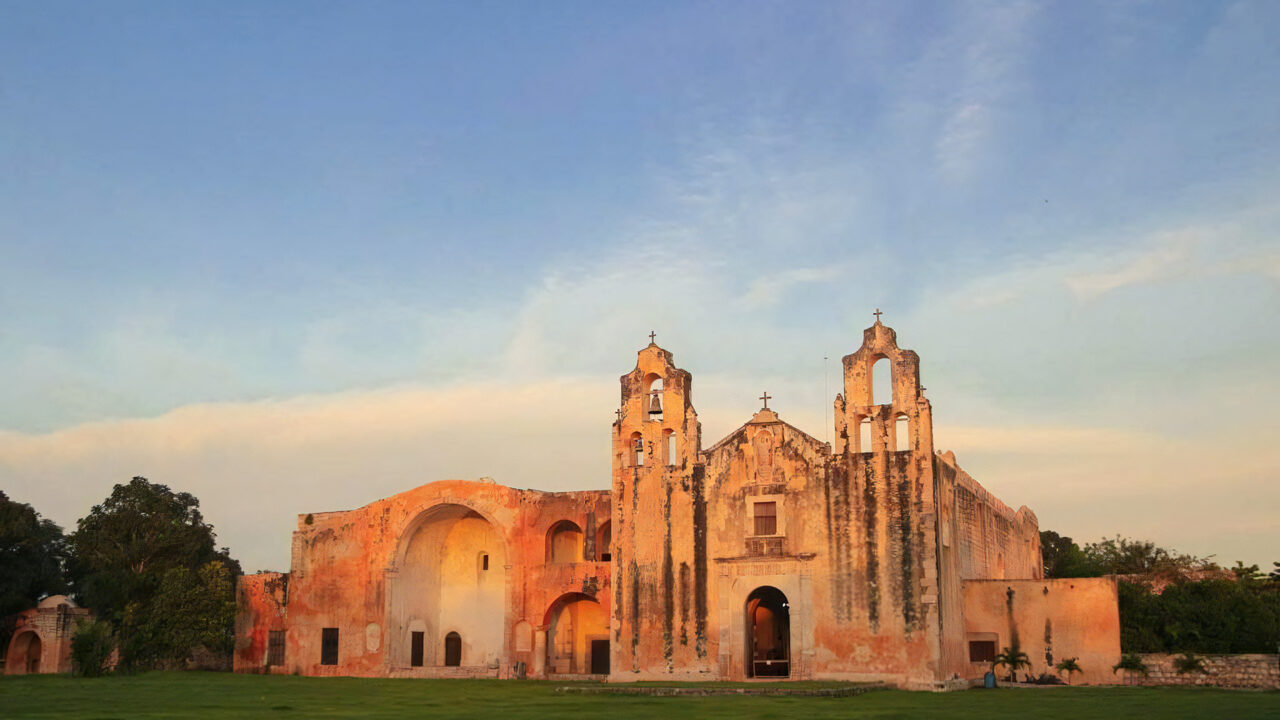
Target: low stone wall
x,y
1234,671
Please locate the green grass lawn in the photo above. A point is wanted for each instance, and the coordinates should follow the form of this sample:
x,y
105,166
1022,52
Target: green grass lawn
x,y
223,695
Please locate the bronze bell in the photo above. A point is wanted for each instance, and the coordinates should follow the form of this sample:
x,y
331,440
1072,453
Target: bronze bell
x,y
655,404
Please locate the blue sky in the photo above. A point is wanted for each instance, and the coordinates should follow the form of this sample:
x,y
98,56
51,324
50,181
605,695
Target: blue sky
x,y
334,216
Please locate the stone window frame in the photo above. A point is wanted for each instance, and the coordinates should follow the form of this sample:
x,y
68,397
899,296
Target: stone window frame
x,y
275,648
780,530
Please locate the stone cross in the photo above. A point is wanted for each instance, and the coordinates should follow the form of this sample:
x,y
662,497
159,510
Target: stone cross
x,y
652,335
877,313
618,412
765,397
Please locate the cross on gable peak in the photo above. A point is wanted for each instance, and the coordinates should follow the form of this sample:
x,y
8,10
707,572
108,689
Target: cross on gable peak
x,y
652,335
765,398
877,313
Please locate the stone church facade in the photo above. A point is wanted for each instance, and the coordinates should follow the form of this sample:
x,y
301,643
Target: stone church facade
x,y
769,555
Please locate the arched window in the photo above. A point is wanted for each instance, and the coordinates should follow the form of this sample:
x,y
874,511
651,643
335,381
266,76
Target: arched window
x,y
669,447
864,436
882,382
902,433
604,542
637,450
564,542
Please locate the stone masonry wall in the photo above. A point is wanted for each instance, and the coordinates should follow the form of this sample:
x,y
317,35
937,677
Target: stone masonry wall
x,y
1233,671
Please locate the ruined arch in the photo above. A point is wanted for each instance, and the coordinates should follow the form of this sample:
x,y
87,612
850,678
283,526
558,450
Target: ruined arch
x,y
449,577
577,635
25,652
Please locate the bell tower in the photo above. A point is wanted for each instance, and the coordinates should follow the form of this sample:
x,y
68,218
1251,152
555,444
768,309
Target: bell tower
x,y
659,623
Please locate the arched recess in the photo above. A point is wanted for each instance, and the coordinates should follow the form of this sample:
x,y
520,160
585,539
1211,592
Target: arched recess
x,y
881,381
604,542
902,433
653,397
449,577
637,450
577,636
564,542
24,654
864,435
768,633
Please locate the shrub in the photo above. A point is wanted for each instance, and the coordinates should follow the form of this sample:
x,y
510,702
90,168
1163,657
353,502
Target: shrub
x,y
91,648
1189,663
1131,662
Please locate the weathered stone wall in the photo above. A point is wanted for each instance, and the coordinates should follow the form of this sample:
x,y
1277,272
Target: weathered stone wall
x,y
260,609
368,573
1233,671
1049,620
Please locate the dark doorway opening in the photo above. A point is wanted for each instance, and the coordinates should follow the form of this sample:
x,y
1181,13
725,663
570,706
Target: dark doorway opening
x,y
600,657
329,646
417,640
452,650
768,634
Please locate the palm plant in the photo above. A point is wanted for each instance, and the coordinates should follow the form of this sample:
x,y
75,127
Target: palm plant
x,y
1131,663
1012,658
1068,666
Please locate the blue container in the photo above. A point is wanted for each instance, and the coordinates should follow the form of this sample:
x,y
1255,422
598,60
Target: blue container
x,y
989,680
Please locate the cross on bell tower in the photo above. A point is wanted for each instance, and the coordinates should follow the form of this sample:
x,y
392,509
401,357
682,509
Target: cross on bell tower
x,y
765,398
877,313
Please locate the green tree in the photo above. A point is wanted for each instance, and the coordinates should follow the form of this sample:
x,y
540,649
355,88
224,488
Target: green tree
x,y
91,648
33,552
1063,558
121,553
193,608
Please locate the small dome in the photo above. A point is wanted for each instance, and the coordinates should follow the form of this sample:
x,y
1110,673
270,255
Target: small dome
x,y
56,600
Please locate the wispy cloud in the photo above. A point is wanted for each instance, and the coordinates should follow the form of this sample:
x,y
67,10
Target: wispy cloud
x,y
769,289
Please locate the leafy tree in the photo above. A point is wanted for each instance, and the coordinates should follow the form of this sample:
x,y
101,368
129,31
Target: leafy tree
x,y
1068,666
1012,658
91,648
33,551
1063,558
193,608
121,554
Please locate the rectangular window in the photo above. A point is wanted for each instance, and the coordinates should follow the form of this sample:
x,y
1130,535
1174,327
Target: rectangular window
x,y
415,651
329,646
484,562
275,648
766,517
982,650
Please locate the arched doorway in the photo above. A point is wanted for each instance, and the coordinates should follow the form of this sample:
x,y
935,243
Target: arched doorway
x,y
448,595
577,636
24,654
452,650
768,633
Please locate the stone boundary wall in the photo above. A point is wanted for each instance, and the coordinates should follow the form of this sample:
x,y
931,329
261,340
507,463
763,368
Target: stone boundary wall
x,y
1232,671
